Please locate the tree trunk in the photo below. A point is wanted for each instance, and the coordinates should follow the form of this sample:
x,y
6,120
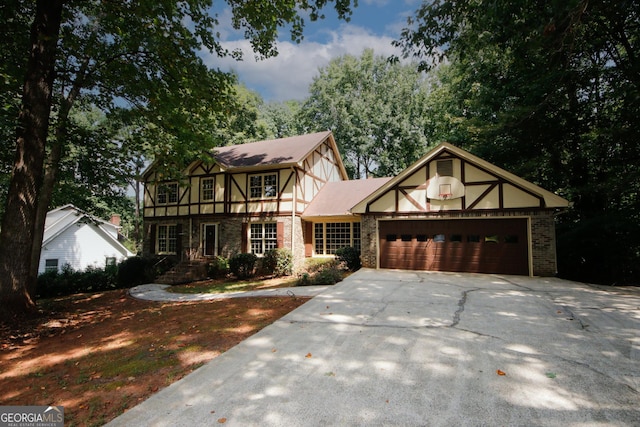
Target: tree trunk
x,y
16,237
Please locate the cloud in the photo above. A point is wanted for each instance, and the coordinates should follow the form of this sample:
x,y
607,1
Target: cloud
x,y
288,75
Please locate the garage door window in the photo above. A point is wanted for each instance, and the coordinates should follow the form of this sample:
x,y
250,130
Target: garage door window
x,y
511,239
439,238
473,238
491,239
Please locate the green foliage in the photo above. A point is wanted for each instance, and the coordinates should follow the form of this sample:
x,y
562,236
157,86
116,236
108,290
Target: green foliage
x,y
603,249
135,271
243,265
327,276
350,257
218,267
320,271
549,93
376,111
278,262
68,281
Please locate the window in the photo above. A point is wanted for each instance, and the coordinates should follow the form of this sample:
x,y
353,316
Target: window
x,y
491,239
263,237
331,236
263,186
422,238
391,237
456,237
168,193
50,265
167,239
439,238
445,167
405,237
110,261
511,239
207,189
473,238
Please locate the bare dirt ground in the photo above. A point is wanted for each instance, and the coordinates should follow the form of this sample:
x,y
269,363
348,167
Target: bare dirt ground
x,y
100,354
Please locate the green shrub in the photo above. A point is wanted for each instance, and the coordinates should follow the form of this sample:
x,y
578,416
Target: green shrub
x,y
218,267
278,262
67,281
135,271
350,256
327,276
320,271
243,265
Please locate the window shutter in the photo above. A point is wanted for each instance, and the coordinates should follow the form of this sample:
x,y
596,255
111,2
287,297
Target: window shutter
x,y
280,234
308,239
244,246
152,238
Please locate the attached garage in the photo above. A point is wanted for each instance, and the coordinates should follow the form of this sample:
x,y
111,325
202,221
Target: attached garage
x,y
461,245
452,211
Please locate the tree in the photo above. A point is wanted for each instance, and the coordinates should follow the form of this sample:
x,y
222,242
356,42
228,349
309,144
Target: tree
x,y
142,53
376,110
548,91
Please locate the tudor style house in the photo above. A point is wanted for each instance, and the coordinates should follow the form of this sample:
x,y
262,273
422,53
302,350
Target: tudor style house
x,y
449,211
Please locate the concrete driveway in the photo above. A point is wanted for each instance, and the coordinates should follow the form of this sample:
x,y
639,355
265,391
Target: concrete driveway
x,y
398,348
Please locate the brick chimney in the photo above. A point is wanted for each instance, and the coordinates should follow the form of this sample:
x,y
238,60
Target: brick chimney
x,y
115,220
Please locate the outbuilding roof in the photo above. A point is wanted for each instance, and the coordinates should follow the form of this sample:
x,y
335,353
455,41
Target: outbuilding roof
x,y
338,197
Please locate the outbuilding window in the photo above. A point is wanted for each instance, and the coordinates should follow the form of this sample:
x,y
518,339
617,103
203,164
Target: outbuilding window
x,y
50,265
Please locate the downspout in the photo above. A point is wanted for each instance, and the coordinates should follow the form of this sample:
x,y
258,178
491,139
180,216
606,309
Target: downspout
x,y
294,206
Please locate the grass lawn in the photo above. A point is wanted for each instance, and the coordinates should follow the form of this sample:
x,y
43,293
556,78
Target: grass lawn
x,y
226,286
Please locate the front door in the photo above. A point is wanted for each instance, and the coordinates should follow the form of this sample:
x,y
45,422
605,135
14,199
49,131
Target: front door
x,y
210,239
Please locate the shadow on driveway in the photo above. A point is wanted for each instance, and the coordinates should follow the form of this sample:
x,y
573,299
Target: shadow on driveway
x,y
388,347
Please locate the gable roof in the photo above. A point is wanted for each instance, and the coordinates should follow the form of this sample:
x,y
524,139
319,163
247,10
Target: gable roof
x,y
271,153
59,220
283,151
551,200
338,197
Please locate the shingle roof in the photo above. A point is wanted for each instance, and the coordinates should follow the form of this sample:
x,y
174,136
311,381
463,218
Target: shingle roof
x,y
282,151
337,198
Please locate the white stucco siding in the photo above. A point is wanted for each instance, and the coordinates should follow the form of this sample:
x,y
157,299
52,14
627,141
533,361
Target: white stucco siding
x,y
80,246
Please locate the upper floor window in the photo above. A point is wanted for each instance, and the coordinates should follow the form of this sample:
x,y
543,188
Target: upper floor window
x,y
263,186
207,189
168,193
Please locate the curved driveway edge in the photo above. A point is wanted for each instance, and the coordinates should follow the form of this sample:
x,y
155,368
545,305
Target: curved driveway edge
x,y
399,348
156,292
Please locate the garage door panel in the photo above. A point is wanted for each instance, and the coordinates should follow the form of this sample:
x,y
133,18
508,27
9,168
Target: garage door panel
x,y
482,246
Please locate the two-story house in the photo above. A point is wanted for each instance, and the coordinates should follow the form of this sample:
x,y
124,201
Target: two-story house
x,y
449,211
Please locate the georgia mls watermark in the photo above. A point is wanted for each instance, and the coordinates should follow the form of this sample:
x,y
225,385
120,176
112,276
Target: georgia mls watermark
x,y
31,416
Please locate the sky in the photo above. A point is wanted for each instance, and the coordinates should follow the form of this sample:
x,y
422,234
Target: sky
x,y
374,24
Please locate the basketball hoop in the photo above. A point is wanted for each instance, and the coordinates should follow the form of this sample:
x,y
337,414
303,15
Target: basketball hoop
x,y
444,196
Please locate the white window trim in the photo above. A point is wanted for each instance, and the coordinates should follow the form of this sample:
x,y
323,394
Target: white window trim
x,y
167,252
263,239
48,268
212,189
324,236
263,186
167,194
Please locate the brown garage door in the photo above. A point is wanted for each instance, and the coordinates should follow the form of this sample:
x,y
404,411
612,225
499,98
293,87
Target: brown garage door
x,y
469,245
